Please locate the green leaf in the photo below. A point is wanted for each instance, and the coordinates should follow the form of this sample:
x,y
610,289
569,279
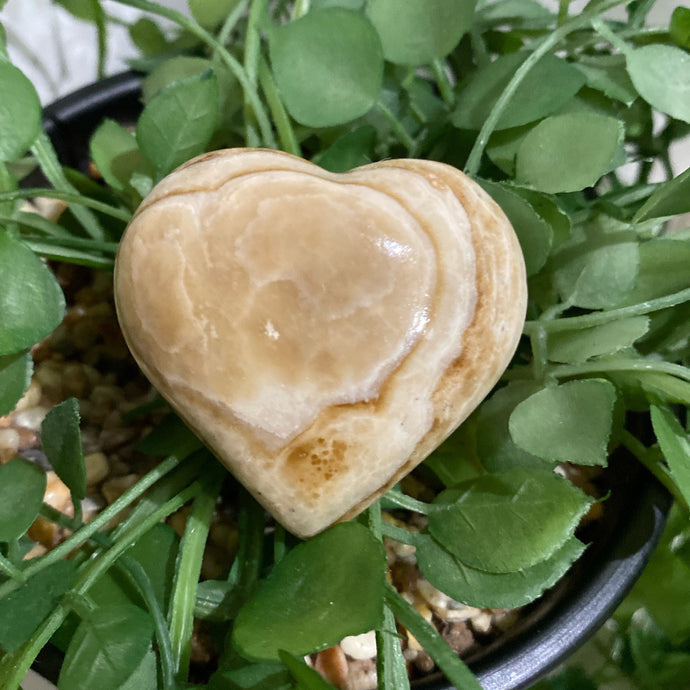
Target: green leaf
x,y
579,346
61,440
549,85
608,74
147,36
567,423
680,27
106,649
455,460
566,153
663,270
661,75
307,678
349,151
210,13
116,154
503,147
266,676
15,377
323,590
495,448
675,445
549,210
88,10
20,115
669,199
172,70
484,589
31,301
145,675
417,32
528,513
22,486
24,609
534,234
347,4
178,122
599,277
328,66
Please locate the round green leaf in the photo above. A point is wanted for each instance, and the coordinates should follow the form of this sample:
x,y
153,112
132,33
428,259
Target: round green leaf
x,y
178,122
566,153
534,234
31,301
328,66
507,521
323,590
669,199
210,13
680,26
22,485
15,376
416,32
661,75
567,423
483,589
20,113
550,84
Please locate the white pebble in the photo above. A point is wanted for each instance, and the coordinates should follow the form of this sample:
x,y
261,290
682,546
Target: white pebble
x,y
97,468
31,418
360,646
9,440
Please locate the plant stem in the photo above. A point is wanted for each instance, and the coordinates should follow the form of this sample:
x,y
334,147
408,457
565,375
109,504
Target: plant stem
x,y
286,133
600,317
404,501
70,198
51,251
614,39
14,666
300,8
398,127
604,366
642,454
400,534
50,165
279,548
188,569
435,646
90,529
548,43
233,65
231,21
443,82
11,570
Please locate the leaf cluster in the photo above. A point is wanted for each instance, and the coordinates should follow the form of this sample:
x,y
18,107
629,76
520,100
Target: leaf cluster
x,y
556,116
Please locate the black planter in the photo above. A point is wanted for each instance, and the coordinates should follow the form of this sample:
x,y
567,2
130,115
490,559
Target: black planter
x,y
555,626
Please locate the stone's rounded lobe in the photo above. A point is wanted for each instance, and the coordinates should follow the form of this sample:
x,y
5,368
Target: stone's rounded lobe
x,y
321,332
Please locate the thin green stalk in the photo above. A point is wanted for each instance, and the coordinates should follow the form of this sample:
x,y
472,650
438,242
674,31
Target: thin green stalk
x,y
188,570
400,534
232,63
286,133
548,43
435,646
563,7
603,366
102,35
73,242
14,666
390,663
404,501
443,82
600,317
72,256
538,340
101,520
479,50
613,38
642,454
37,222
231,21
68,197
279,546
408,142
47,159
11,570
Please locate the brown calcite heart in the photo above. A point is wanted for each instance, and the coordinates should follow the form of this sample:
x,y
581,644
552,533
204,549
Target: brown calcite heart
x,y
321,332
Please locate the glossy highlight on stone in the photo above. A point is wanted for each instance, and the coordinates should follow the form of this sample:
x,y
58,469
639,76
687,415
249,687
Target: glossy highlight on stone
x,y
321,332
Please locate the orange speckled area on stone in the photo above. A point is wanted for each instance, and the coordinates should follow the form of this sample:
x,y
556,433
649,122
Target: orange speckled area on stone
x,y
321,332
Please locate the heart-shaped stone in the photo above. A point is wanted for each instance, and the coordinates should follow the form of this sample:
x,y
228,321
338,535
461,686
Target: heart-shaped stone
x,y
322,333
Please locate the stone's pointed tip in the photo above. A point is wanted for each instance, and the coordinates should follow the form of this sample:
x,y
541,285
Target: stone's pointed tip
x,y
322,333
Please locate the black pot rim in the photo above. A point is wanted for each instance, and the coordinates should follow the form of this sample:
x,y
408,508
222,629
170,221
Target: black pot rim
x,y
598,582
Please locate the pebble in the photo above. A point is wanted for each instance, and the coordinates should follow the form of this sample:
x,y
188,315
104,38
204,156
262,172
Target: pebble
x,y
332,665
9,440
31,418
362,675
97,468
31,398
360,646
